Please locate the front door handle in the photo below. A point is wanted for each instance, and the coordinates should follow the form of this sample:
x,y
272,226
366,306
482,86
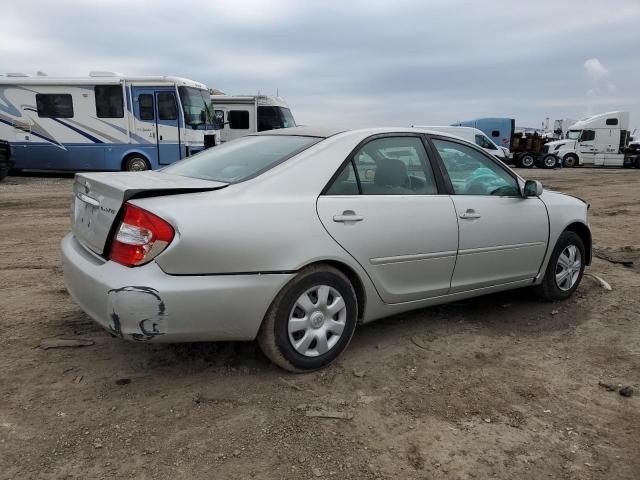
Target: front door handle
x,y
348,216
470,214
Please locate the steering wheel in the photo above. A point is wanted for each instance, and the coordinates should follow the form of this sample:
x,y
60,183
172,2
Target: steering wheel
x,y
478,185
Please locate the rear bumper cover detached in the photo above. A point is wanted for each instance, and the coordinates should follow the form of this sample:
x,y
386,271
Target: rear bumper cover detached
x,y
146,304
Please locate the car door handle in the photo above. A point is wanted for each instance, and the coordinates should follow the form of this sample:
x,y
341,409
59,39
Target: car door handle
x,y
470,214
348,216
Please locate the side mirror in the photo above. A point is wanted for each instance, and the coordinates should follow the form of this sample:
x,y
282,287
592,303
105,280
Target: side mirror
x,y
532,188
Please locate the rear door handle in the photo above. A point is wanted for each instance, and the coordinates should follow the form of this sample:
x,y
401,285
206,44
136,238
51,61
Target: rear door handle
x,y
470,215
348,216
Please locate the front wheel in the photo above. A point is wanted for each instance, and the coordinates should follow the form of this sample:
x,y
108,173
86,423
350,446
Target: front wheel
x,y
565,269
311,321
570,160
135,164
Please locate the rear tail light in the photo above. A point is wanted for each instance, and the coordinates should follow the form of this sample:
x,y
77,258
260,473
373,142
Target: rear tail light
x,y
140,237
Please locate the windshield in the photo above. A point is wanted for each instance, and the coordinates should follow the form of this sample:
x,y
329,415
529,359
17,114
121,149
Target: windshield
x,y
271,118
484,142
197,111
573,134
241,159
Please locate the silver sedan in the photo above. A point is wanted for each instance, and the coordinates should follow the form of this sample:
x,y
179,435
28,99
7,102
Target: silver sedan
x,y
296,236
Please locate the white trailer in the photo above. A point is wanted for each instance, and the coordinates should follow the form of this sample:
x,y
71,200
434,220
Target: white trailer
x,y
105,121
240,115
600,140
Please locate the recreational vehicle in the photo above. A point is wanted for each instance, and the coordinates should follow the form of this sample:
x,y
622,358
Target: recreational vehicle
x,y
105,121
238,116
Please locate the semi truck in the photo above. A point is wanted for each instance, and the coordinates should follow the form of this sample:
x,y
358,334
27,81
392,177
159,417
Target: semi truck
x,y
599,140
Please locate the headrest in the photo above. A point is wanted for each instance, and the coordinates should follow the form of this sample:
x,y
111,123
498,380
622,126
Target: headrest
x,y
390,173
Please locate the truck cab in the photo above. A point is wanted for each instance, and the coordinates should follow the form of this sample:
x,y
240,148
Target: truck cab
x,y
600,140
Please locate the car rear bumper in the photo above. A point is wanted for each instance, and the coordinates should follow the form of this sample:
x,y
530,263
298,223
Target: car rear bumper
x,y
146,304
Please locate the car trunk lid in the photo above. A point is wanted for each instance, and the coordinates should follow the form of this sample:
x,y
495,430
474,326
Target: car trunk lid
x,y
99,197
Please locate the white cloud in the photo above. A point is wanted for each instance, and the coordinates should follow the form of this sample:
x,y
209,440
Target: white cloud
x,y
599,76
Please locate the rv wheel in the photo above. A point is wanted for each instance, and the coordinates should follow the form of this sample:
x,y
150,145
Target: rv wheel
x,y
526,160
570,160
135,164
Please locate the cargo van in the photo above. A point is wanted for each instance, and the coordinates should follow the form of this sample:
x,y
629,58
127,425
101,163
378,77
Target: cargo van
x,y
473,135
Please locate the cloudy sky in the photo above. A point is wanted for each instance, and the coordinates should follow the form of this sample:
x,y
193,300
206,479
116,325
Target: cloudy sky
x,y
354,63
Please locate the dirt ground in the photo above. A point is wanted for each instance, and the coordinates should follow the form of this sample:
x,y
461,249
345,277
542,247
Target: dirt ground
x,y
504,386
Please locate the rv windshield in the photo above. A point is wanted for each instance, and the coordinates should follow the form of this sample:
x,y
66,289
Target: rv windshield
x,y
574,134
270,118
195,102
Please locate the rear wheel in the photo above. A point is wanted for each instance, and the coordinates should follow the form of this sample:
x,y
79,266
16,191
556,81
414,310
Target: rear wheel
x,y
311,321
565,269
549,161
637,163
136,163
526,160
570,160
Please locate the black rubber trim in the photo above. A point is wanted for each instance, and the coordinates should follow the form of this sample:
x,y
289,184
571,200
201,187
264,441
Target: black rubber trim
x,y
229,274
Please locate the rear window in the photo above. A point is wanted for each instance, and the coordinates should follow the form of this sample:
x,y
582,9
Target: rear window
x,y
241,159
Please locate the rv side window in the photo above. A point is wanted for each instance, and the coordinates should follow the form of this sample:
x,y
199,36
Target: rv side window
x,y
612,121
146,106
54,105
167,108
109,101
495,133
588,135
238,119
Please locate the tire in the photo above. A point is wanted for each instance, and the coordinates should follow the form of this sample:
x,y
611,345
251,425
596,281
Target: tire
x,y
276,338
570,160
526,161
637,162
553,289
136,163
549,161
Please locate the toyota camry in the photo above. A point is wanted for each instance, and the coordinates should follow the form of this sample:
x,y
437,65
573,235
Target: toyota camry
x,y
294,237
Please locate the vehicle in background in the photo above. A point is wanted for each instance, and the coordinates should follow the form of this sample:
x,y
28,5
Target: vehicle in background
x,y
528,150
634,142
473,135
600,140
499,130
105,121
240,115
6,162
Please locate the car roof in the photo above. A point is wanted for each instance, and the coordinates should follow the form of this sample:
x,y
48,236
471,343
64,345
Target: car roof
x,y
326,132
305,131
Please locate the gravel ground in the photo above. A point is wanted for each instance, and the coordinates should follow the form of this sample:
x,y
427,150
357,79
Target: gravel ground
x,y
504,386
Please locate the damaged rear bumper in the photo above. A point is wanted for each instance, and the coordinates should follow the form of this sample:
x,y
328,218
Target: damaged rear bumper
x,y
146,304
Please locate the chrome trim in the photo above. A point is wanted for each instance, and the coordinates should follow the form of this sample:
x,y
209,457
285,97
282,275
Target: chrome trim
x,y
411,258
471,251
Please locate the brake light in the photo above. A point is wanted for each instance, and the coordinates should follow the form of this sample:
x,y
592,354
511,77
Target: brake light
x,y
140,237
